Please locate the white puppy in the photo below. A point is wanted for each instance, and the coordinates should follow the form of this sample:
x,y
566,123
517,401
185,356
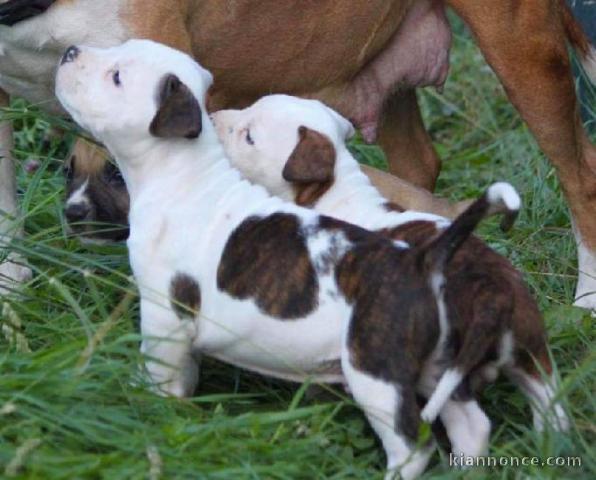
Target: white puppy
x,y
226,269
296,149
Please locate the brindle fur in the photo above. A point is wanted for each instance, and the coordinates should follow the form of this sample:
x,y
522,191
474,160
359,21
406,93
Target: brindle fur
x,y
266,258
485,296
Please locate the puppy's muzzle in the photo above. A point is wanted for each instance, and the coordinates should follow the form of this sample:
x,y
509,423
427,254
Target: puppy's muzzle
x,y
77,212
70,55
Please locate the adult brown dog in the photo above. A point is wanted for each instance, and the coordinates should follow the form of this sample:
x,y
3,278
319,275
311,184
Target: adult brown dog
x,y
362,57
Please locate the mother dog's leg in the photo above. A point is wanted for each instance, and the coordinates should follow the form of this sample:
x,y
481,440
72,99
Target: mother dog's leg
x,y
11,268
406,142
535,70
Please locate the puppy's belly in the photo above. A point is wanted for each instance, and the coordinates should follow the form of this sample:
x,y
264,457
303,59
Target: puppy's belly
x,y
236,332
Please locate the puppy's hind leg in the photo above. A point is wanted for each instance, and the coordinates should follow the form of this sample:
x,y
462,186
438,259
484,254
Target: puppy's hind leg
x,y
467,426
11,268
541,392
393,414
491,313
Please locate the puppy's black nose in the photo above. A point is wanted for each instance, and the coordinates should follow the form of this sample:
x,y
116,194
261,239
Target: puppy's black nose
x,y
77,212
71,53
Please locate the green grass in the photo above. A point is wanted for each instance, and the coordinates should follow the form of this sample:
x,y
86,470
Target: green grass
x,y
68,412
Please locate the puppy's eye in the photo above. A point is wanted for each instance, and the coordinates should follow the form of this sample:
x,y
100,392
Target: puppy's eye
x,y
116,78
249,139
112,175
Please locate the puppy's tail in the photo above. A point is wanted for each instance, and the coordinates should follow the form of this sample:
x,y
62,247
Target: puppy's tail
x,y
499,198
579,41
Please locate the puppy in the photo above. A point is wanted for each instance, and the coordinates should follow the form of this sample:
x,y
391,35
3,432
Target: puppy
x,y
97,202
295,148
226,269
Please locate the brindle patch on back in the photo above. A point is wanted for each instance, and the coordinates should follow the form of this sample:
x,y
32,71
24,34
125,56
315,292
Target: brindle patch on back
x,y
266,259
185,296
394,324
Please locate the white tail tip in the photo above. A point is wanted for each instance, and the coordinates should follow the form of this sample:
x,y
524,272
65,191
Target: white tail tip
x,y
503,193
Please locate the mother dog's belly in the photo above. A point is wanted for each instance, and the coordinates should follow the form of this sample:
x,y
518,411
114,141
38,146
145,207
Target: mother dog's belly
x,y
237,332
29,74
30,50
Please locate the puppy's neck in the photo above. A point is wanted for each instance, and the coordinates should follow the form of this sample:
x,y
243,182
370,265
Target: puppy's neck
x,y
351,192
353,198
157,165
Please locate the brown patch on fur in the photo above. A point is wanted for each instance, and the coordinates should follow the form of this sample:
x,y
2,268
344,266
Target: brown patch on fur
x,y
266,259
312,160
310,166
185,296
179,113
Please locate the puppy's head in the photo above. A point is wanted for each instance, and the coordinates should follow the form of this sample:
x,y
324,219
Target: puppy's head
x,y
134,95
287,144
97,201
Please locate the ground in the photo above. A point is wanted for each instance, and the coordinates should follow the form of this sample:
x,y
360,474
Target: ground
x,y
72,404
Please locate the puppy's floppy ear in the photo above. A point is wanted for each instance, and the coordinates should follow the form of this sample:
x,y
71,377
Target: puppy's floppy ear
x,y
313,159
310,166
179,113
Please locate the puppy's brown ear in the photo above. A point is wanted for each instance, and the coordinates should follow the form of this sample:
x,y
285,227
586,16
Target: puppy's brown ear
x,y
313,159
310,166
179,113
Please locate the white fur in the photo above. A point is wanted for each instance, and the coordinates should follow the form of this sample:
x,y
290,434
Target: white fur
x,y
467,426
504,193
541,395
79,195
448,383
585,293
